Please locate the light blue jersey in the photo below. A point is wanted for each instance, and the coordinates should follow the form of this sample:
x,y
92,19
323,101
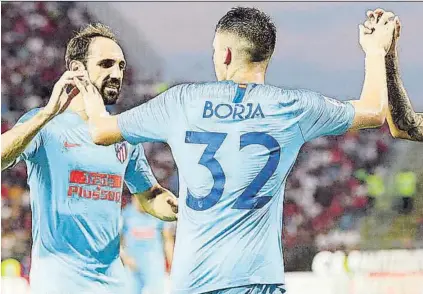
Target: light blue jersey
x,y
76,189
143,242
234,146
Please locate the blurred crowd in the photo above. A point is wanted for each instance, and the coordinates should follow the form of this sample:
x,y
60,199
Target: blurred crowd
x,y
325,199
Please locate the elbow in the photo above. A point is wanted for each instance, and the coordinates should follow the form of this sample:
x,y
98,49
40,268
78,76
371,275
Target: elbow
x,y
99,140
397,135
380,115
104,131
98,137
378,120
394,132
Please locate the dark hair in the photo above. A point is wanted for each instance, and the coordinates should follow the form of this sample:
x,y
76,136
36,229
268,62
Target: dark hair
x,y
254,26
77,47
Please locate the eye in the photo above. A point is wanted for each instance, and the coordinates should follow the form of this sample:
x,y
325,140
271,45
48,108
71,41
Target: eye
x,y
106,63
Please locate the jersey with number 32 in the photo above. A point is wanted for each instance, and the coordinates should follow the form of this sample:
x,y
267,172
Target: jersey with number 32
x,y
234,146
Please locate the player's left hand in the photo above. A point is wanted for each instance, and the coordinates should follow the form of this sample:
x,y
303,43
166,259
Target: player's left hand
x,y
173,203
94,104
369,24
170,213
160,202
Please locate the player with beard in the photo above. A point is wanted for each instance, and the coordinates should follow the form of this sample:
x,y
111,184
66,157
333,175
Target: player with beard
x,y
75,185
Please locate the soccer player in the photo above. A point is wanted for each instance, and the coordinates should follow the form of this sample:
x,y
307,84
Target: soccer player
x,y
403,121
147,241
75,185
234,142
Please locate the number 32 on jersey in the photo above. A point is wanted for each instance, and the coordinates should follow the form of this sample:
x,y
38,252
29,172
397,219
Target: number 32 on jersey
x,y
247,199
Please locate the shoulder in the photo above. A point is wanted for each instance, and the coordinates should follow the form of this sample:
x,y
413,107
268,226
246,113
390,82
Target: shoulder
x,y
206,87
287,97
304,98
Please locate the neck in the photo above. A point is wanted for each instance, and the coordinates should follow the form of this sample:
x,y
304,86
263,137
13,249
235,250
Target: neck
x,y
77,105
248,74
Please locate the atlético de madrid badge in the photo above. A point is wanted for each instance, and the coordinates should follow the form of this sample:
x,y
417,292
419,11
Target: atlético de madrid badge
x,y
121,151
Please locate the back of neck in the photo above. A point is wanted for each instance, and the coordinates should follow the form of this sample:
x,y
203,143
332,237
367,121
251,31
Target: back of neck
x,y
249,75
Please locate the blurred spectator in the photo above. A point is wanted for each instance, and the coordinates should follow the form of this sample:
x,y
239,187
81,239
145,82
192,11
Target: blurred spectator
x,y
405,188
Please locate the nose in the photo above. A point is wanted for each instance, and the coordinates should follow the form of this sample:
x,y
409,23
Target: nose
x,y
116,73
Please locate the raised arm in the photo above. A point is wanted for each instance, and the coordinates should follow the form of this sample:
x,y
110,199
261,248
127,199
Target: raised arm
x,y
15,141
153,121
371,108
403,122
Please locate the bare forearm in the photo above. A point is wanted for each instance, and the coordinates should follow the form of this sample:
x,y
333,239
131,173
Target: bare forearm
x,y
403,117
373,104
104,130
14,141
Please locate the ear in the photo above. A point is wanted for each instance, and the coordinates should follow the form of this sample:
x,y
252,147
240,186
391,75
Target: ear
x,y
76,65
228,56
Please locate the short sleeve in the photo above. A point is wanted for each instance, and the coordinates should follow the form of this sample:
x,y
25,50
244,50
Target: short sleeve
x,y
322,116
139,177
152,121
35,144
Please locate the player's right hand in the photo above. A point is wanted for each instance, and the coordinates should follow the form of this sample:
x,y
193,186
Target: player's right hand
x,y
376,37
369,24
60,99
94,104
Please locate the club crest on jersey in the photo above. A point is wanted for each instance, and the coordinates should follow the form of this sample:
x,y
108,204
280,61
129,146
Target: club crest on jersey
x,y
121,151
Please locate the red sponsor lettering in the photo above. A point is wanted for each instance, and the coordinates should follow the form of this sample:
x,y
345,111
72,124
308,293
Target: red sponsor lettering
x,y
117,181
111,196
87,194
104,194
71,190
117,198
94,178
77,177
97,194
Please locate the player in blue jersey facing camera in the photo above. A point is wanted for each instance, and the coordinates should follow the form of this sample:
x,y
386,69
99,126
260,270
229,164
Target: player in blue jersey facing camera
x,y
75,185
234,142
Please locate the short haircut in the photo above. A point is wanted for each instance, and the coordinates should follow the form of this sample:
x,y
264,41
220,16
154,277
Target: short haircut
x,y
255,27
77,47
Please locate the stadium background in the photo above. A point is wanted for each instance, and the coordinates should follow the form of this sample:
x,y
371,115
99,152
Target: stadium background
x,y
341,196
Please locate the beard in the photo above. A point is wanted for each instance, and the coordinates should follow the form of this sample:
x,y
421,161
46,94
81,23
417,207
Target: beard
x,y
110,91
